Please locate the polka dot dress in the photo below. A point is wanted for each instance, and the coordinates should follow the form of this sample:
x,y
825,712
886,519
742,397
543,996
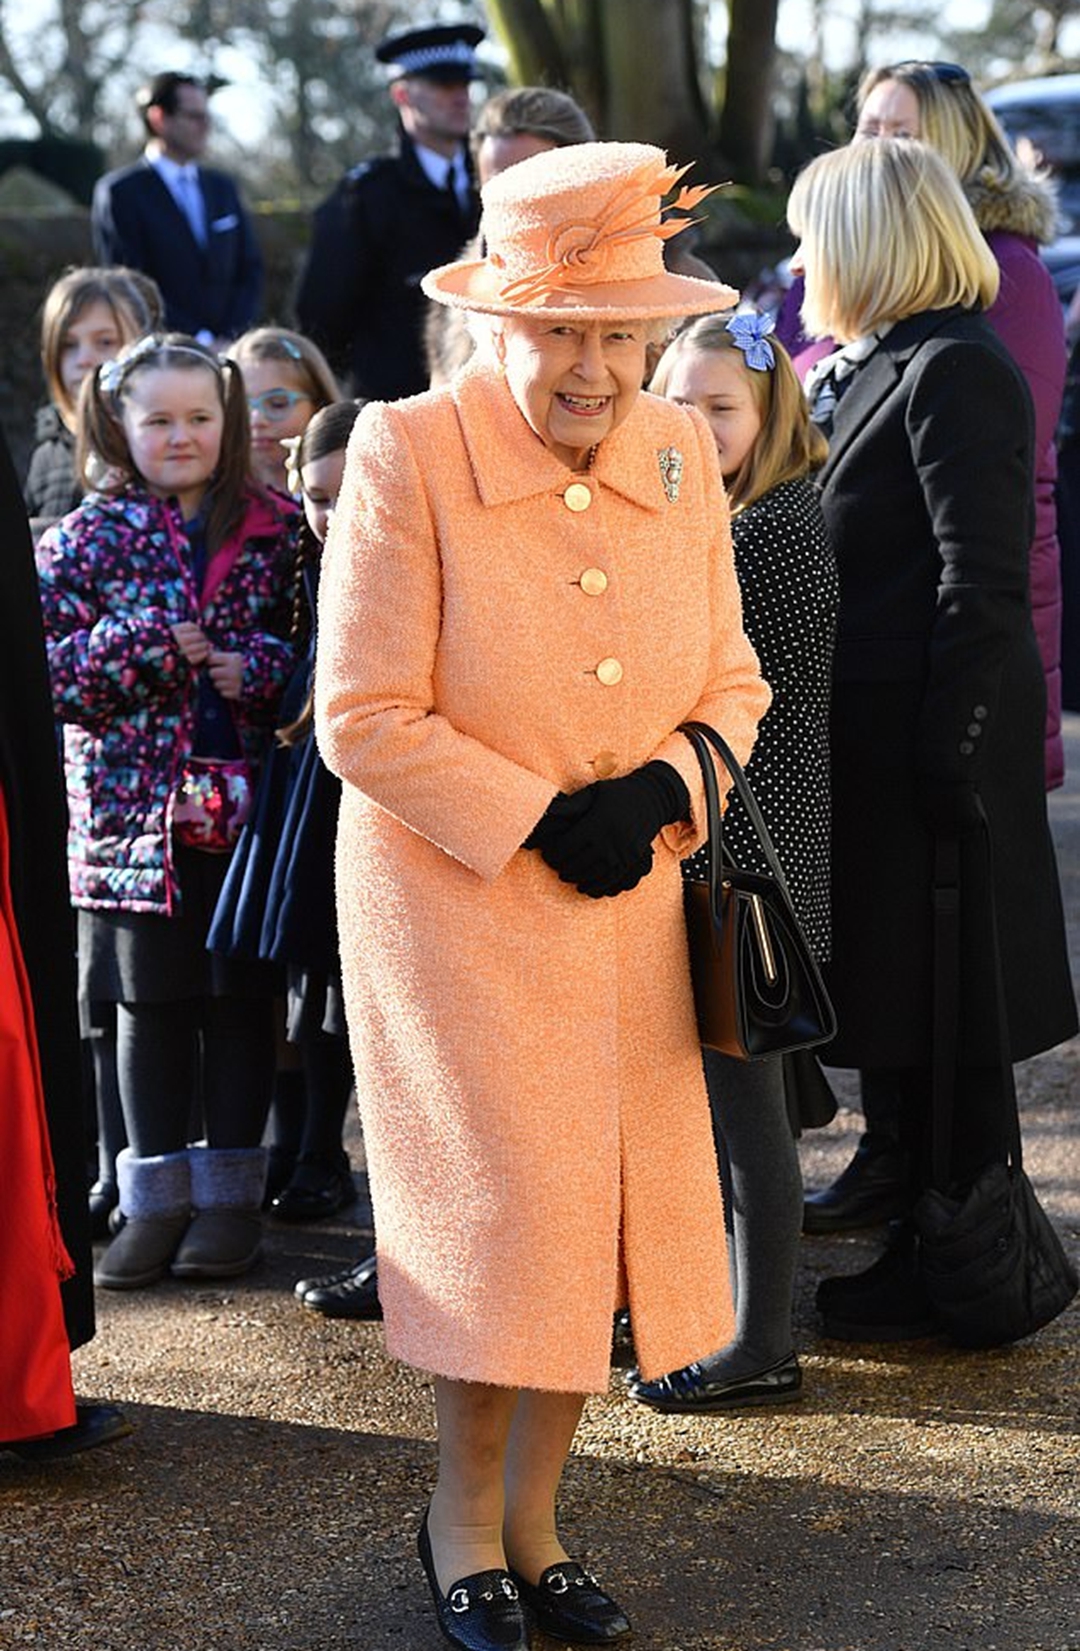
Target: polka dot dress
x,y
787,576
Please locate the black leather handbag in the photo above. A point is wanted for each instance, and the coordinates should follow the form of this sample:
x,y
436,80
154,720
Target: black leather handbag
x,y
991,1262
758,990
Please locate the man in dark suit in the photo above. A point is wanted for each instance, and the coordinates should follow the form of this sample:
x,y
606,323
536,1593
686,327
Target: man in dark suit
x,y
181,222
393,218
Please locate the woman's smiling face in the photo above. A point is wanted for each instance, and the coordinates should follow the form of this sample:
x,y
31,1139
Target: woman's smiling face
x,y
575,381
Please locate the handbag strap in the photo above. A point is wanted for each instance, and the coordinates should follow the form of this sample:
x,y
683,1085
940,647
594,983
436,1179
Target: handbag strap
x,y
946,906
701,736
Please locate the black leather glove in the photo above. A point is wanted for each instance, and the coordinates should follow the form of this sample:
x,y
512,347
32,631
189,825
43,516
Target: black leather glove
x,y
604,846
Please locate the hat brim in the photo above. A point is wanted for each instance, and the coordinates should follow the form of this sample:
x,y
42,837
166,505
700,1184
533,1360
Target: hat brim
x,y
476,284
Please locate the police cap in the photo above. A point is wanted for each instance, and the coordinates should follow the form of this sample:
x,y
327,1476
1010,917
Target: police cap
x,y
440,51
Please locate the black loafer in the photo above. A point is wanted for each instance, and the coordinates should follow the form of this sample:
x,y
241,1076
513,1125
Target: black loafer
x,y
481,1612
349,1295
95,1424
568,1605
692,1390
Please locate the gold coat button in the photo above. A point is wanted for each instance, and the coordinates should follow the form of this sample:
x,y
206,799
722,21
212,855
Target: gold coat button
x,y
594,581
577,497
604,764
610,672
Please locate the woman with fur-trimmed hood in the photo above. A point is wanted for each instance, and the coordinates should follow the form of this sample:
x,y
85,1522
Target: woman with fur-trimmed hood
x,y
1016,210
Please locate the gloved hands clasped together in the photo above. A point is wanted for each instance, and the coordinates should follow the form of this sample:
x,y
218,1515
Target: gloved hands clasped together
x,y
600,838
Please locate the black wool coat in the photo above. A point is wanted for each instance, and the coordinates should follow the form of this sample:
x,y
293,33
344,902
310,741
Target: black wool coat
x,y
372,241
938,699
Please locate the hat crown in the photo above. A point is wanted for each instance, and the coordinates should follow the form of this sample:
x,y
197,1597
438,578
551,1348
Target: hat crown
x,y
579,231
436,49
574,217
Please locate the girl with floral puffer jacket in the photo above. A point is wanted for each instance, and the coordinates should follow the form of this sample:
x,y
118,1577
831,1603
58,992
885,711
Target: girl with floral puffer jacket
x,y
167,606
113,584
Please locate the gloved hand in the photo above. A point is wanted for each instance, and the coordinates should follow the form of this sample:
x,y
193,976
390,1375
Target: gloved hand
x,y
604,844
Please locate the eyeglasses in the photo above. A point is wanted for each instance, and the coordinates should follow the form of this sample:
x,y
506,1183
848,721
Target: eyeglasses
x,y
275,405
949,74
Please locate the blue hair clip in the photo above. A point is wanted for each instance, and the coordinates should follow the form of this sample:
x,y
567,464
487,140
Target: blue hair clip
x,y
750,331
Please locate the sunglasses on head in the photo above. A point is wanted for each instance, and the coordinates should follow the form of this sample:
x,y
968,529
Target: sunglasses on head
x,y
950,74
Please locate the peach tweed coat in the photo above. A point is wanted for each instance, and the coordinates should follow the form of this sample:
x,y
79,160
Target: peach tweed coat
x,y
529,1075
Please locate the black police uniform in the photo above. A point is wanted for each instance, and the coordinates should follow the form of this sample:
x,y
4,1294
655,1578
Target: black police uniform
x,y
382,229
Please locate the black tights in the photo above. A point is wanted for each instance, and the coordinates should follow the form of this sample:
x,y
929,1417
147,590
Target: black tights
x,y
221,1048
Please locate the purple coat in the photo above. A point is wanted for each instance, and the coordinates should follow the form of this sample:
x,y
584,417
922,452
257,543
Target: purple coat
x,y
113,583
1027,317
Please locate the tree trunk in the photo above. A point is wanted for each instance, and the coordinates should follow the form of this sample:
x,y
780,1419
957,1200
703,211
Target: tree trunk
x,y
529,34
746,129
653,94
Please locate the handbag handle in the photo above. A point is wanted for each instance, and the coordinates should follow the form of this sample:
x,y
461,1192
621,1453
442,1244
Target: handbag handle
x,y
701,736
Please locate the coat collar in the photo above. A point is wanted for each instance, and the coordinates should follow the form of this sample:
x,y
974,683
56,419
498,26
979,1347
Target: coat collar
x,y
877,379
510,462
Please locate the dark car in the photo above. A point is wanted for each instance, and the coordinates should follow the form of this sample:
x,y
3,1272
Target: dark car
x,y
1046,112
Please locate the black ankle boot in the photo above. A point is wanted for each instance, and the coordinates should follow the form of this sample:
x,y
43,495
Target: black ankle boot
x,y
875,1187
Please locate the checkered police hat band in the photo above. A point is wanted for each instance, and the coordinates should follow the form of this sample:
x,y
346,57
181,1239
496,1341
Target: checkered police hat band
x,y
455,52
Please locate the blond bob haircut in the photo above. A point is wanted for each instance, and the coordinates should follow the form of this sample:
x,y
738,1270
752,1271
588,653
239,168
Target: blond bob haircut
x,y
954,120
788,445
886,232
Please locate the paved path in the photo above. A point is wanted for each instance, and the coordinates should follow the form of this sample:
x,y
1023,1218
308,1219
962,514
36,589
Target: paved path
x,y
917,1499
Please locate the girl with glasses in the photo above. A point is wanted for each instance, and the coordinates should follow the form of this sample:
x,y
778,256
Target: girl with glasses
x,y
287,380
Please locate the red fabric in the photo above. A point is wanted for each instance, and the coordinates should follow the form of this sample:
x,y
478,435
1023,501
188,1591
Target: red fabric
x,y
35,1367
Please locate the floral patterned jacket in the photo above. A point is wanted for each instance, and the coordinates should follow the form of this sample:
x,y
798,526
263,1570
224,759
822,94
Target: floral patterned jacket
x,y
114,580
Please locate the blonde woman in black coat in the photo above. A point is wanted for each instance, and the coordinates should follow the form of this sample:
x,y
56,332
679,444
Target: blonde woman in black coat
x,y
938,698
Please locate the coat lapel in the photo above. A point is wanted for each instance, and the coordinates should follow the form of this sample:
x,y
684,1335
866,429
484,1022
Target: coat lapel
x,y
510,462
875,382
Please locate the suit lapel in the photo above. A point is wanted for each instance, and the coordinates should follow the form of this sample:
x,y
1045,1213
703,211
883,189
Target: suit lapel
x,y
176,210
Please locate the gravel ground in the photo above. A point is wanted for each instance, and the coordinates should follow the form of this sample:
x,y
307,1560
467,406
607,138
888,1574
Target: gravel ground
x,y
917,1498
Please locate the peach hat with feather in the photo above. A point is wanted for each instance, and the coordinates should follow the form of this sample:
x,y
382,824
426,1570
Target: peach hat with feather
x,y
578,232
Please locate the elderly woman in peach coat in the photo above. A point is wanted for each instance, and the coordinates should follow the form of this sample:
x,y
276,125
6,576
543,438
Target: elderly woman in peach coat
x,y
528,585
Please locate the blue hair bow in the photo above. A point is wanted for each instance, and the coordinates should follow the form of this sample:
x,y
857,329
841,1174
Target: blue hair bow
x,y
750,332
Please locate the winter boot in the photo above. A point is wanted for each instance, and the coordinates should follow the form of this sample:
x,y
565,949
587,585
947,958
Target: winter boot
x,y
225,1235
875,1187
155,1200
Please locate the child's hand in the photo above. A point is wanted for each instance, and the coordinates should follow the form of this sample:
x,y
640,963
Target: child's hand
x,y
192,642
226,672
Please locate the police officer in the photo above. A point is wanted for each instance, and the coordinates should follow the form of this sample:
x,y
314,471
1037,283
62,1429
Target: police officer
x,y
393,218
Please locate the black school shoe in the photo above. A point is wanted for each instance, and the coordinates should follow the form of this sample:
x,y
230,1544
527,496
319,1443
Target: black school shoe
x,y
481,1612
886,1301
317,1189
351,1294
95,1424
567,1604
693,1392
